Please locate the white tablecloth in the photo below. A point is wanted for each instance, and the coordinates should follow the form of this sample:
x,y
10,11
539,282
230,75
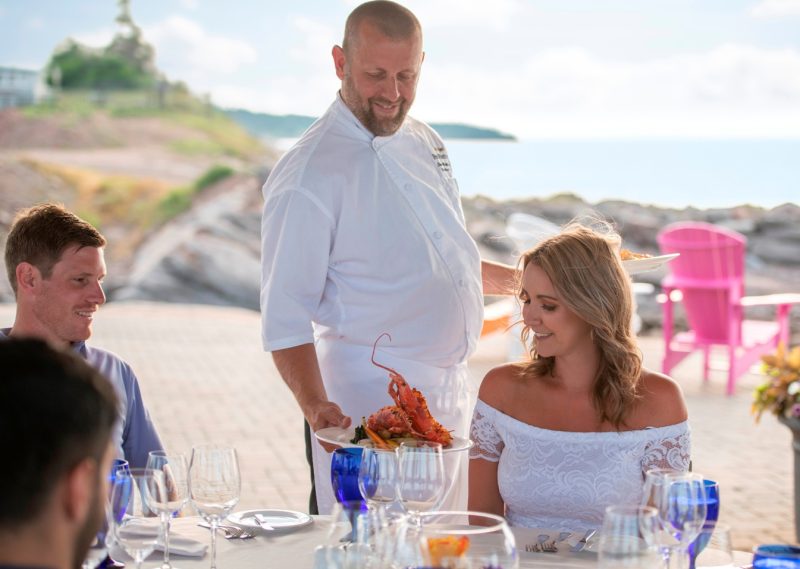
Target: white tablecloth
x,y
295,549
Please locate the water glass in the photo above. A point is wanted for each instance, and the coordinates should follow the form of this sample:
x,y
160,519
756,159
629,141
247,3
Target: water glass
x,y
776,556
712,514
718,551
136,531
628,538
214,486
174,468
683,512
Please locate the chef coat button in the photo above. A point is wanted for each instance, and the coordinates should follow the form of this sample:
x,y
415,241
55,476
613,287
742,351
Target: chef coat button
x,y
437,234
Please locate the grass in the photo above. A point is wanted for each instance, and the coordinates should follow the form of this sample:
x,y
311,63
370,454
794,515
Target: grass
x,y
180,199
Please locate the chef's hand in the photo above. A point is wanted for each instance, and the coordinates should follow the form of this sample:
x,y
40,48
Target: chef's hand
x,y
327,414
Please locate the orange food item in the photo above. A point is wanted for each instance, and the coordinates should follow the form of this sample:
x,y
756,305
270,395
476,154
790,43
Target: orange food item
x,y
628,255
442,548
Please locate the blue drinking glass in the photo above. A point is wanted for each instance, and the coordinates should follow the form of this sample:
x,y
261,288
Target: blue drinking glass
x,y
345,464
712,515
776,557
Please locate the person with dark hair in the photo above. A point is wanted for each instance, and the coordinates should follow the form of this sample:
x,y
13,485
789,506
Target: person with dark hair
x,y
363,233
575,427
56,418
56,268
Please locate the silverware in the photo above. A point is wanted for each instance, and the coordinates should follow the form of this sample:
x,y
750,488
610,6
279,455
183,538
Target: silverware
x,y
582,543
229,532
262,524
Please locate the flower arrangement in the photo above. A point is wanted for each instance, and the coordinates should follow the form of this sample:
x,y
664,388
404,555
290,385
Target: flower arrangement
x,y
780,393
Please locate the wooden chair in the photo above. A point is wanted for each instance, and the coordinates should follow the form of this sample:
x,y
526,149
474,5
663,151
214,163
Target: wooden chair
x,y
708,279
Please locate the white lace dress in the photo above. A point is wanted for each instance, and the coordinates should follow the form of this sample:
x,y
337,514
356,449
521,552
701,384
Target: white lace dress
x,y
564,480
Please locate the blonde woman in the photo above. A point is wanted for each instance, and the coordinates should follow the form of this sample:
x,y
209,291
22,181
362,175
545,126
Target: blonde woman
x,y
560,437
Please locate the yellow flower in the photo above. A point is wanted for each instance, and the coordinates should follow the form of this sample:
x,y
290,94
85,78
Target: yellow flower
x,y
780,392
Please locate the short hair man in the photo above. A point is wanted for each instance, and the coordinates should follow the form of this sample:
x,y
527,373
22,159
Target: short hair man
x,y
56,268
56,418
363,233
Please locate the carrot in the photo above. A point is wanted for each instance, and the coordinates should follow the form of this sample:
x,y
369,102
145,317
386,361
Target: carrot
x,y
377,439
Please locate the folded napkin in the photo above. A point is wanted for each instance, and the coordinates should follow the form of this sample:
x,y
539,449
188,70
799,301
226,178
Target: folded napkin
x,y
178,544
537,540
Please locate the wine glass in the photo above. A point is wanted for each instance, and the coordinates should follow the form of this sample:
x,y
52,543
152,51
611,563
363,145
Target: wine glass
x,y
712,514
135,530
100,546
175,470
377,477
420,478
684,509
345,466
214,486
653,495
628,538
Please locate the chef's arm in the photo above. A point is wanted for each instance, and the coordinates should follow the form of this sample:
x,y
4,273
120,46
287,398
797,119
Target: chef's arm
x,y
299,368
498,279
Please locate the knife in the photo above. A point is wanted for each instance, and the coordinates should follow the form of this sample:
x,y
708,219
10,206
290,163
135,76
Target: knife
x,y
578,547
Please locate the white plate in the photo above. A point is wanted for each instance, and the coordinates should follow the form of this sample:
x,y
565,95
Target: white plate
x,y
280,520
647,264
342,437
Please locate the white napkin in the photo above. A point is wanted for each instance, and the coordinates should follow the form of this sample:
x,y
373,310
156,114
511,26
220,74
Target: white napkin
x,y
530,540
178,544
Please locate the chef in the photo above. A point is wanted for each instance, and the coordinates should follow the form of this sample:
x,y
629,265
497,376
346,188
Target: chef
x,y
363,233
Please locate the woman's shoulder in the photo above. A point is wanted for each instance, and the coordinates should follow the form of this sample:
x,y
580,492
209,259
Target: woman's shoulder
x,y
661,401
499,385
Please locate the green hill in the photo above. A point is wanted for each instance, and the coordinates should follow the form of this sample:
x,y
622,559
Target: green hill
x,y
291,126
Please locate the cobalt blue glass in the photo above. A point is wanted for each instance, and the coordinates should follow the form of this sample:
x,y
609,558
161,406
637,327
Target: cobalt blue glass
x,y
776,557
712,515
345,464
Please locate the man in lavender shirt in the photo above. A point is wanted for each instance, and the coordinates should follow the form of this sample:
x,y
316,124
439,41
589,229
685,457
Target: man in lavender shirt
x,y
56,267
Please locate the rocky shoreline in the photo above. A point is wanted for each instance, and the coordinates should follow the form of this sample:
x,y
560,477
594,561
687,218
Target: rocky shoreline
x,y
210,254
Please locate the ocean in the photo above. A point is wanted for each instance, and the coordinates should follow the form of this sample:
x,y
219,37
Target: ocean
x,y
667,173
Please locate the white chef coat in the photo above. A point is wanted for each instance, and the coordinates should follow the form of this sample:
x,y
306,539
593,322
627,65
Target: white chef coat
x,y
363,235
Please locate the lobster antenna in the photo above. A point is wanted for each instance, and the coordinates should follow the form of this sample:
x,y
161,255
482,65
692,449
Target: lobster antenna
x,y
374,346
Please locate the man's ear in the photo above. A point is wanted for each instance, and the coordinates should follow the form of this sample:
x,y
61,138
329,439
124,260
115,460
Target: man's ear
x,y
78,490
27,276
338,61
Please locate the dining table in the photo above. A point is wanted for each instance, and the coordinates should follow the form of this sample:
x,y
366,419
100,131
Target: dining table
x,y
295,548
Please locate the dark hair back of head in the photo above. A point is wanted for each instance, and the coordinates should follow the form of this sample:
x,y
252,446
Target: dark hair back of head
x,y
391,19
55,411
40,234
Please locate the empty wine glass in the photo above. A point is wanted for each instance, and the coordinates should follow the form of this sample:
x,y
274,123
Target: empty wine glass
x,y
377,477
420,477
653,495
214,486
136,531
628,538
175,470
684,511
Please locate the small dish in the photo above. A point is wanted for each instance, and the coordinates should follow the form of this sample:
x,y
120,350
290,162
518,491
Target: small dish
x,y
280,521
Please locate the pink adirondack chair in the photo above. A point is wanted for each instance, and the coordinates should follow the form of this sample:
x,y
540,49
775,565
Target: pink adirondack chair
x,y
708,278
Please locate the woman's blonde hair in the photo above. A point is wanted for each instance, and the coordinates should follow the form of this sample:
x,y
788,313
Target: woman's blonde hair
x,y
586,271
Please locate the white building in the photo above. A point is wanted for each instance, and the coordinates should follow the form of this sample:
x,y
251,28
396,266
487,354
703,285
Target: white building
x,y
19,87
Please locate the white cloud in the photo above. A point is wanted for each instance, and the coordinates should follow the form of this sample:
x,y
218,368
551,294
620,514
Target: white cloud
x,y
731,90
189,4
776,8
35,23
316,39
185,49
465,13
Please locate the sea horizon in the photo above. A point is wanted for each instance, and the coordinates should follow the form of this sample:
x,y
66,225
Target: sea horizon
x,y
666,173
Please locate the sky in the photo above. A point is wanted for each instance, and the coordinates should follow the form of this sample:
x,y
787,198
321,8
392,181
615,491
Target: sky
x,y
537,69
